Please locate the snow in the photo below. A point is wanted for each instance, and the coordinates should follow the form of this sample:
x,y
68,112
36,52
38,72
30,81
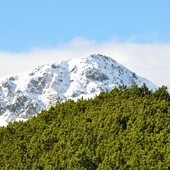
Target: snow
x,y
24,95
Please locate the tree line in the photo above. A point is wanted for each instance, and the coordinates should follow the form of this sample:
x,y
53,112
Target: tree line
x,y
126,128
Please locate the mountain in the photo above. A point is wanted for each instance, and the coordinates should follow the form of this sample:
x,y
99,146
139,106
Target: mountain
x,y
24,95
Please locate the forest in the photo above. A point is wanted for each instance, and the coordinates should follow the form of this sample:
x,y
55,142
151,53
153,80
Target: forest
x,y
126,128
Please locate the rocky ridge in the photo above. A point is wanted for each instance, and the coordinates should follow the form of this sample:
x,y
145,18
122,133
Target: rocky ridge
x,y
24,95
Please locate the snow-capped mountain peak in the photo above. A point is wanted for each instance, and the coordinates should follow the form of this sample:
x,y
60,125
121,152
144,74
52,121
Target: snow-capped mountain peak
x,y
24,95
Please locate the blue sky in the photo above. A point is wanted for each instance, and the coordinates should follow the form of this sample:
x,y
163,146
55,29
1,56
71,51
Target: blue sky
x,y
26,24
136,33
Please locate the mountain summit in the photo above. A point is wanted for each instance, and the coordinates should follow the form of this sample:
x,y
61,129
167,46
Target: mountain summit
x,y
24,95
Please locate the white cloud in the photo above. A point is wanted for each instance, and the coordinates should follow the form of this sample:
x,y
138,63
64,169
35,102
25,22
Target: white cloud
x,y
148,60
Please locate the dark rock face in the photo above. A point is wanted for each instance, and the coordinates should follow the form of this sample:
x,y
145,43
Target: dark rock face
x,y
95,74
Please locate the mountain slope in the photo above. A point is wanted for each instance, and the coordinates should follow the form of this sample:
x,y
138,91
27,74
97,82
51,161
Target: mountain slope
x,y
24,95
123,129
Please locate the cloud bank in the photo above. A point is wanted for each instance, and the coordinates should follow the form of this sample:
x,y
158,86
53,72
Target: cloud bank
x,y
149,60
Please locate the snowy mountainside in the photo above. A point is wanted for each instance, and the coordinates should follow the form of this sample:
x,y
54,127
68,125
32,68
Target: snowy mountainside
x,y
24,95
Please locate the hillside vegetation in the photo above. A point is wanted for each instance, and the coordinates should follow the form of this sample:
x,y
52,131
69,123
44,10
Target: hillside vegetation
x,y
122,129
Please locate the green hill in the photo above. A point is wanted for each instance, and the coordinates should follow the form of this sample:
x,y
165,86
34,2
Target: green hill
x,y
121,129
